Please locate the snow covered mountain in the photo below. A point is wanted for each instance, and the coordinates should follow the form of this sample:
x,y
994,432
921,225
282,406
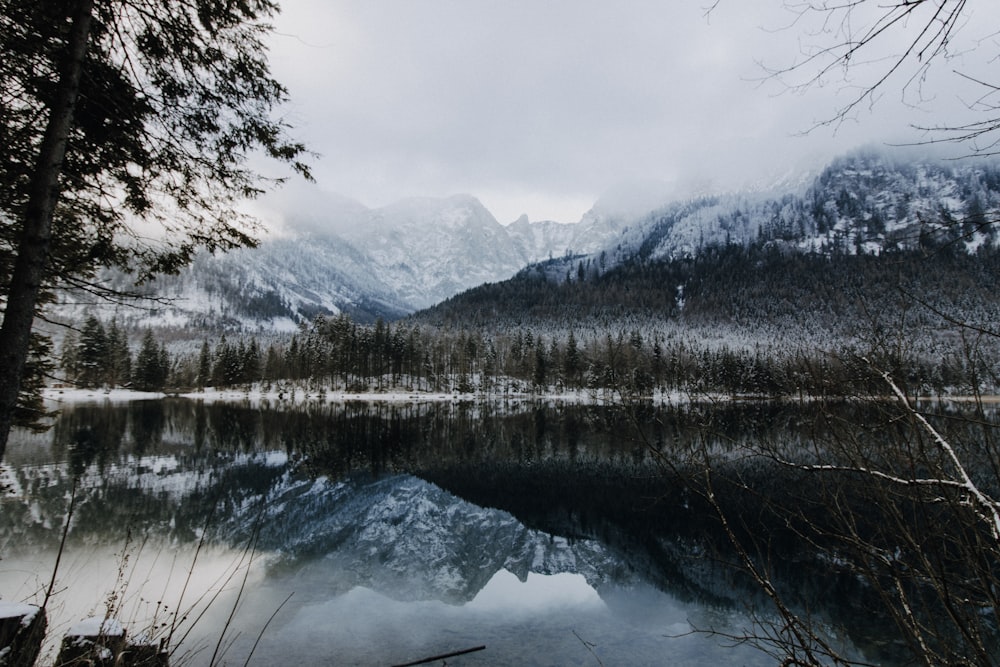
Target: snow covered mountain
x,y
411,540
368,263
867,202
814,259
337,256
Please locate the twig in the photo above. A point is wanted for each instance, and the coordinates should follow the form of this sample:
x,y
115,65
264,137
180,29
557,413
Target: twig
x,y
264,629
443,656
187,580
989,510
250,552
589,646
62,544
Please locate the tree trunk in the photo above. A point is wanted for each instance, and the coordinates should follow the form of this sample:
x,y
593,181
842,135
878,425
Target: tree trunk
x,y
33,248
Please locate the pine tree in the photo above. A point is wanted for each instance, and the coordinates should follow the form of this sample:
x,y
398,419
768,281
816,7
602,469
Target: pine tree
x,y
120,110
572,365
273,366
149,373
119,357
220,362
204,366
541,371
92,354
69,359
164,367
252,365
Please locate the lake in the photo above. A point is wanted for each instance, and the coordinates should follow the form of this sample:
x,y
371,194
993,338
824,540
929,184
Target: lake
x,y
381,533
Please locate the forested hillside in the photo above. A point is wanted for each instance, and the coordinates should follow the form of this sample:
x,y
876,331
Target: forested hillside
x,y
870,246
865,203
877,265
757,288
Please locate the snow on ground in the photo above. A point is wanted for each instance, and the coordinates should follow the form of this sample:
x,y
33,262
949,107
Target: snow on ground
x,y
97,627
77,395
26,612
283,395
290,396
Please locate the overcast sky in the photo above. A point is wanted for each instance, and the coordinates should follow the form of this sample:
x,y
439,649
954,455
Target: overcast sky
x,y
541,106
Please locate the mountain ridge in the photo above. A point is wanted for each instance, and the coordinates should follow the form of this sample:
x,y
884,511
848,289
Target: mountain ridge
x,y
388,262
369,263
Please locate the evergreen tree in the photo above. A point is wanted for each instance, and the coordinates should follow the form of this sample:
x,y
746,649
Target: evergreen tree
x,y
238,373
252,365
92,354
273,367
69,359
119,357
541,372
227,370
572,366
165,366
293,360
30,407
204,366
151,365
114,110
657,361
219,363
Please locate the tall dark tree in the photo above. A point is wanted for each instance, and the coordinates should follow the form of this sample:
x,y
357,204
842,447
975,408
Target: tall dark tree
x,y
116,110
204,366
572,363
69,358
541,371
93,354
119,368
252,363
151,365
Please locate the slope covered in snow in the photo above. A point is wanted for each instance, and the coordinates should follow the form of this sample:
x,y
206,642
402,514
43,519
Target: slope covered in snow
x,y
411,540
867,202
338,256
818,263
369,263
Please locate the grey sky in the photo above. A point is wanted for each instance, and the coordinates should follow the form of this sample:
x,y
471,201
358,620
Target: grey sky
x,y
540,106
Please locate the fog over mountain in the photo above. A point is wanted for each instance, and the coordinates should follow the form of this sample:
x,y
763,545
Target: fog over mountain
x,y
334,255
344,257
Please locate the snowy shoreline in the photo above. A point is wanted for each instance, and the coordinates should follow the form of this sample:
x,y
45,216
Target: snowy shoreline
x,y
288,397
298,396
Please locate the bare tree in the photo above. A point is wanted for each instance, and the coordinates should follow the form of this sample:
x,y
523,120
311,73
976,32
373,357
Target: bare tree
x,y
901,496
871,48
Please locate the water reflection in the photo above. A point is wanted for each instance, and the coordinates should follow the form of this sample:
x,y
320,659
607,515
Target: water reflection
x,y
543,620
553,535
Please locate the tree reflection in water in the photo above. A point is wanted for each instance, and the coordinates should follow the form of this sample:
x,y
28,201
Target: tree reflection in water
x,y
570,489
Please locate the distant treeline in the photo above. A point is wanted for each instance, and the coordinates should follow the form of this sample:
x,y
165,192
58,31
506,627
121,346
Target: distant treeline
x,y
733,320
339,354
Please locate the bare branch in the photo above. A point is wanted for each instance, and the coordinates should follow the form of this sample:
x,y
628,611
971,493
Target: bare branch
x,y
989,507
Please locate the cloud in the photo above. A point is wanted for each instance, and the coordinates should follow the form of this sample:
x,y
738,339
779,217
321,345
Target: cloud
x,y
548,104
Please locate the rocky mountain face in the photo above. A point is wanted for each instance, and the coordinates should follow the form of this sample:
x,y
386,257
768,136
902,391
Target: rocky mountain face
x,y
411,540
825,259
387,262
368,263
865,203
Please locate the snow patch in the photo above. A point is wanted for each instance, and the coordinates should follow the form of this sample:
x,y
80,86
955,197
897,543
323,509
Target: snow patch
x,y
26,612
97,627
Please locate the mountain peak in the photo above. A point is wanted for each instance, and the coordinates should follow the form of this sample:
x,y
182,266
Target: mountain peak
x,y
451,212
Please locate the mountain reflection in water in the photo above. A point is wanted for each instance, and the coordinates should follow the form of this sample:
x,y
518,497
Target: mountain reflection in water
x,y
545,533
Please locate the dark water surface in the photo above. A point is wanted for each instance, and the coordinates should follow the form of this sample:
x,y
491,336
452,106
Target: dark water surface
x,y
377,534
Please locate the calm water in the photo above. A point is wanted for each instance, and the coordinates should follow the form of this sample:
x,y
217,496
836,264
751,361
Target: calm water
x,y
375,534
